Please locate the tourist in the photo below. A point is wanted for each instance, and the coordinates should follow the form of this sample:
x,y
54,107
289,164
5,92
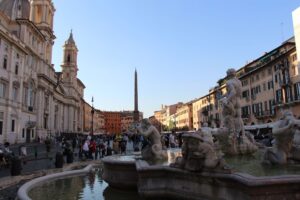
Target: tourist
x,y
179,138
123,146
74,143
102,149
116,146
172,140
35,151
85,148
166,140
48,145
23,151
92,149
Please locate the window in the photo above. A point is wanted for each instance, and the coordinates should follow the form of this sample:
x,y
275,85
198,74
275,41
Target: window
x,y
294,57
68,58
12,125
288,94
46,105
17,69
271,107
2,90
270,85
278,96
15,93
30,95
297,90
266,105
245,111
245,94
244,82
1,122
45,121
294,71
270,70
264,86
263,73
23,133
5,62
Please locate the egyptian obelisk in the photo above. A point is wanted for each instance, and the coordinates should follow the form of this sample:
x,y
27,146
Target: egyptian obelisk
x,y
136,104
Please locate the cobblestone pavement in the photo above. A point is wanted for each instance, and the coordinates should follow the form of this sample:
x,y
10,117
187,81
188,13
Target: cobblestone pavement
x,y
44,160
30,163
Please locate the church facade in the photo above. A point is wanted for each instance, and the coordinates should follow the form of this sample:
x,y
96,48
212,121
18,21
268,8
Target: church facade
x,y
35,100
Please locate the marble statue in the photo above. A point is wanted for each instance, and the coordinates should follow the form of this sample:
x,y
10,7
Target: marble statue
x,y
285,142
198,154
232,137
153,151
206,133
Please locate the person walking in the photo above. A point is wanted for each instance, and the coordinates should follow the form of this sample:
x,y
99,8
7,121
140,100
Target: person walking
x,y
35,148
85,149
92,149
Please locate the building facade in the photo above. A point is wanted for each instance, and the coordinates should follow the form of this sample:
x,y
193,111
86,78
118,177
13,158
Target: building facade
x,y
270,84
183,117
296,23
112,122
127,119
35,100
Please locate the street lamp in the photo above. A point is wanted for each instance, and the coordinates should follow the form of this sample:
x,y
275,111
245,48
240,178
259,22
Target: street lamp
x,y
92,112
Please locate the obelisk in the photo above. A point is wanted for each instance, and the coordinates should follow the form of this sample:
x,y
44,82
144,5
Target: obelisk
x,y
136,104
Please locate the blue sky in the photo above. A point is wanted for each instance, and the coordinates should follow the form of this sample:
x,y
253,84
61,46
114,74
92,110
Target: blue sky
x,y
180,48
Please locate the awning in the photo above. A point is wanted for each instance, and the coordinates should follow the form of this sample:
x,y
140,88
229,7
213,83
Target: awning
x,y
259,126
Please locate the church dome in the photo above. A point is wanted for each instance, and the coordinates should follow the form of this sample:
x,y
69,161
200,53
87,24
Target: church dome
x,y
15,9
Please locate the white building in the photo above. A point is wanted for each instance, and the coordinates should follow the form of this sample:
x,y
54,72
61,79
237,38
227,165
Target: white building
x,y
296,22
34,99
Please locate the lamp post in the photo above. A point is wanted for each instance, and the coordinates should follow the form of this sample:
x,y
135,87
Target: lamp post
x,y
92,112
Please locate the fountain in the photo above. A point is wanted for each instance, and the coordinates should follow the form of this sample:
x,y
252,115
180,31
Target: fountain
x,y
203,173
234,167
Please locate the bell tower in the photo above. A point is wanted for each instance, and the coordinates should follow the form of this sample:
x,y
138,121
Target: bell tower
x,y
69,65
42,14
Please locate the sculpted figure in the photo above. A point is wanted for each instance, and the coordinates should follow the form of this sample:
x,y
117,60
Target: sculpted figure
x,y
198,154
206,133
283,132
231,105
232,137
153,151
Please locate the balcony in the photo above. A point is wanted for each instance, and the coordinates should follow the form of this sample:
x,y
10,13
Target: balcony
x,y
285,82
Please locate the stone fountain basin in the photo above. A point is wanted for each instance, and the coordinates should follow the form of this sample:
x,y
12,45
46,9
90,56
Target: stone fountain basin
x,y
161,181
120,171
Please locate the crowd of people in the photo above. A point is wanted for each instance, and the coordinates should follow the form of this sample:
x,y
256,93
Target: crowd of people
x,y
91,147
